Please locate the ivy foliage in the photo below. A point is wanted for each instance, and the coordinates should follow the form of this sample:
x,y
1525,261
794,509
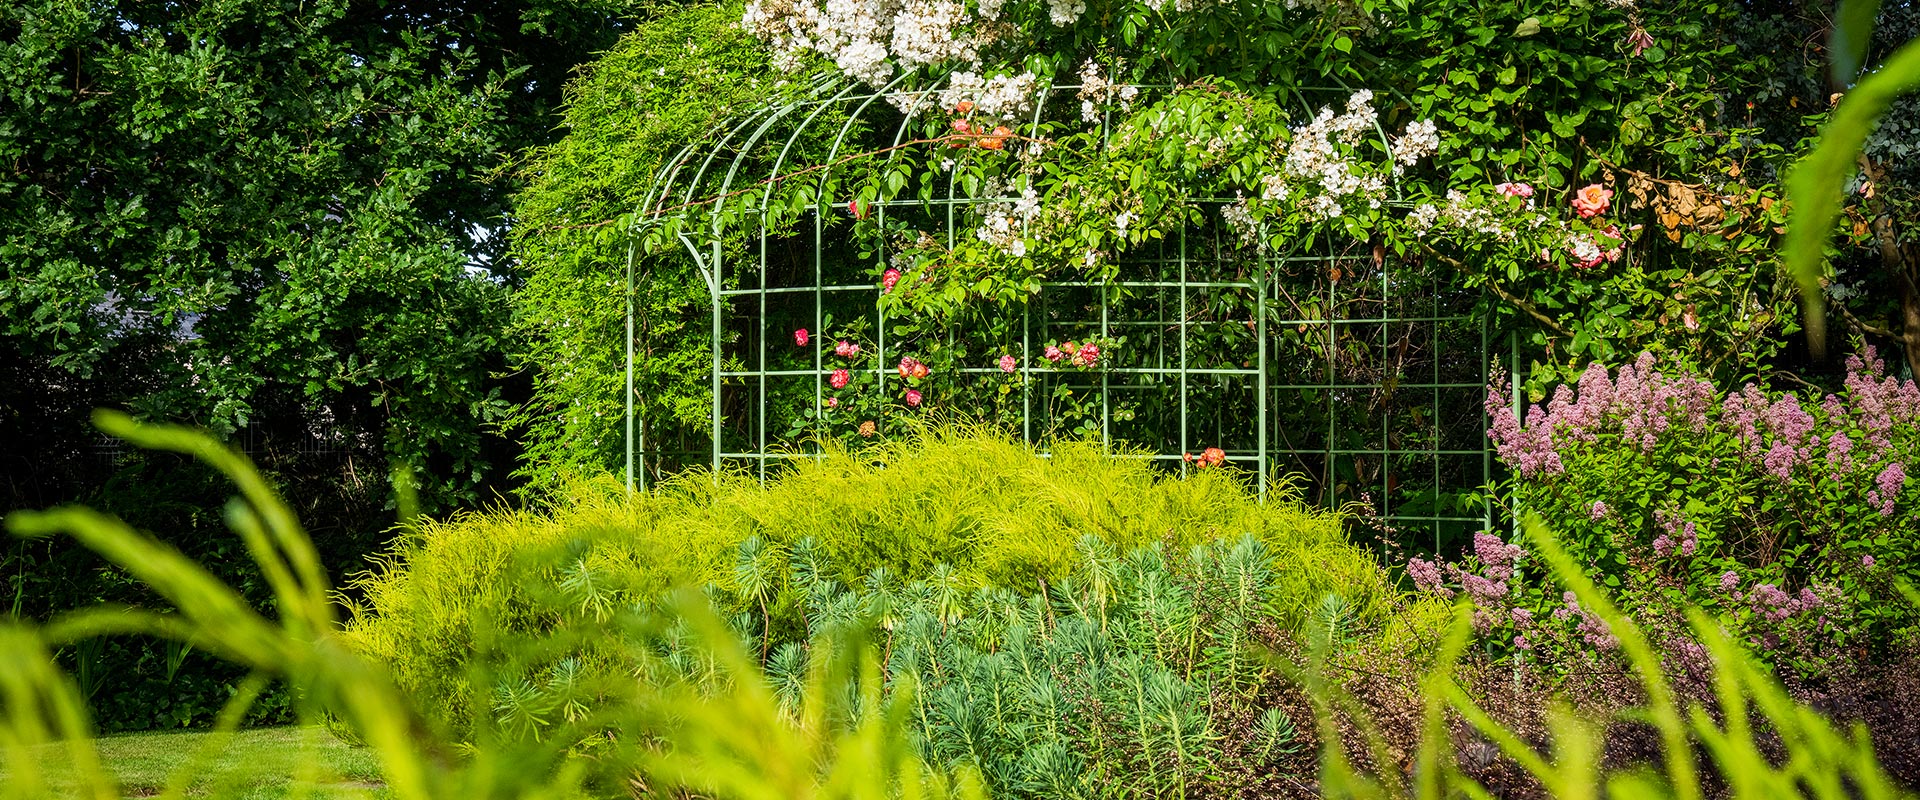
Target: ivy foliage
x,y
682,77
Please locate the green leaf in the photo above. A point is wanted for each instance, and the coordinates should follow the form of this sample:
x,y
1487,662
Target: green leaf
x,y
1852,35
1816,183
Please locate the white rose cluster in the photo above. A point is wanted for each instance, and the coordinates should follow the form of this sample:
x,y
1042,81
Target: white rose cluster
x,y
1239,216
1096,90
871,39
1065,12
1422,139
1318,154
865,38
1004,224
1007,97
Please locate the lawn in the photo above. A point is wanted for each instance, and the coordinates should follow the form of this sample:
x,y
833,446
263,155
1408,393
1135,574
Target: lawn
x,y
253,765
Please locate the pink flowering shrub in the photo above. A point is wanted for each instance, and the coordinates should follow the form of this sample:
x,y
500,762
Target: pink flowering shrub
x,y
1788,517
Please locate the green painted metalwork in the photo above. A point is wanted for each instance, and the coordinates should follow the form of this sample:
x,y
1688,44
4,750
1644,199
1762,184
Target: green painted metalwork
x,y
1336,335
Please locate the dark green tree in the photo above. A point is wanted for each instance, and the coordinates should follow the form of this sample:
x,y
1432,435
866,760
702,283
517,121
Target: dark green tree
x,y
279,220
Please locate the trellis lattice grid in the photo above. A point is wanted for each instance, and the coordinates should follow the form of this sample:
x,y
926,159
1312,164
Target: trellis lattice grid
x,y
1333,368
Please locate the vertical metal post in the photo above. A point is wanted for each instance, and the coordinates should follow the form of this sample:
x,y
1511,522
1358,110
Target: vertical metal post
x,y
1486,453
714,338
629,366
760,417
1106,404
1184,448
1386,398
1433,353
1260,332
1326,319
1026,371
1513,377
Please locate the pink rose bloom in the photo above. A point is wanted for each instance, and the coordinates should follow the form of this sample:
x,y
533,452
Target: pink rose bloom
x,y
1592,200
1515,189
1006,363
800,338
1052,353
920,370
913,398
1087,355
846,349
889,278
839,379
833,402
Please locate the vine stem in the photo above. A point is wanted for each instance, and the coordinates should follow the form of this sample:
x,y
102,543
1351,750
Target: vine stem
x,y
1501,292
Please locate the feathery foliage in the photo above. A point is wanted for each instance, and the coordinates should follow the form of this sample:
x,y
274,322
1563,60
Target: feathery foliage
x,y
955,510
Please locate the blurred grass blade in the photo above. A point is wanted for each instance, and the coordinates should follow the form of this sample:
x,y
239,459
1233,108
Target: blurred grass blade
x,y
1662,708
1817,183
230,624
38,708
290,561
1852,36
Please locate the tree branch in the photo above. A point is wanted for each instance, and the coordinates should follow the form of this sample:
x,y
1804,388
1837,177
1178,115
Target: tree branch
x,y
1864,327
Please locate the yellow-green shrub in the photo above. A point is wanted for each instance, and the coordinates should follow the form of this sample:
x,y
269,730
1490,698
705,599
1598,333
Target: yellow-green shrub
x,y
980,509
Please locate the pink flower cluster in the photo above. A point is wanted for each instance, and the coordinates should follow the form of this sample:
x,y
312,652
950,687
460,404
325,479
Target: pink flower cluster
x,y
1426,577
1007,364
1886,487
1775,604
911,367
1642,404
1674,528
1498,562
1592,629
1779,434
846,349
1211,457
839,379
1079,355
1878,399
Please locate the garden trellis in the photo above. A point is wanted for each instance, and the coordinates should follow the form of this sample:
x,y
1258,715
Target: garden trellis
x,y
1327,365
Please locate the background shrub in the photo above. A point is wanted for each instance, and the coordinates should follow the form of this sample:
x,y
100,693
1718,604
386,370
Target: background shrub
x,y
1788,517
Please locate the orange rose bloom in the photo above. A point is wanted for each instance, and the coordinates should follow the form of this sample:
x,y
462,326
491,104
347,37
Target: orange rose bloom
x,y
1592,200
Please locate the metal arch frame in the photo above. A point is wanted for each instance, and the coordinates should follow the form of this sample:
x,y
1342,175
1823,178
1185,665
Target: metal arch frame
x,y
826,94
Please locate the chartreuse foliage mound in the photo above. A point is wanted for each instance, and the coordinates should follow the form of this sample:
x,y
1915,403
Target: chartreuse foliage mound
x,y
962,510
989,683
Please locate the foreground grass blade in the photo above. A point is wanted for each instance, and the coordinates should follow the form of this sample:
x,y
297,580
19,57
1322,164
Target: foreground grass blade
x,y
1817,183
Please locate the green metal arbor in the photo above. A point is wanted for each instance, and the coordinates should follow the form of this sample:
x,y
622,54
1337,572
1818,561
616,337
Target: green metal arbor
x,y
1331,369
